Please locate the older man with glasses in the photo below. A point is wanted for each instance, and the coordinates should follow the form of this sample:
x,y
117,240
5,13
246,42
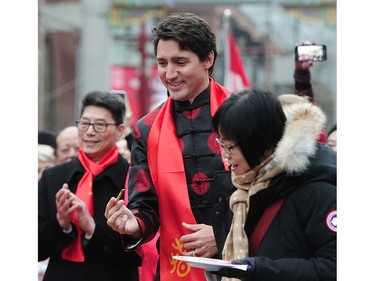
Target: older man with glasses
x,y
73,231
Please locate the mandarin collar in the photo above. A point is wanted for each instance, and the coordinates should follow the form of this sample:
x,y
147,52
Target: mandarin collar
x,y
200,100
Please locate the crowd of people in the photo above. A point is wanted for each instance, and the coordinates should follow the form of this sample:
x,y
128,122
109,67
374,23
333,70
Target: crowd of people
x,y
248,177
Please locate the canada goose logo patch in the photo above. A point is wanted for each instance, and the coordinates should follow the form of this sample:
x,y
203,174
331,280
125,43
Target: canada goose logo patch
x,y
332,221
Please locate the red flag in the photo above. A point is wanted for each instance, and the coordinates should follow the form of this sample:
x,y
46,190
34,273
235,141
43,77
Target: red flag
x,y
235,76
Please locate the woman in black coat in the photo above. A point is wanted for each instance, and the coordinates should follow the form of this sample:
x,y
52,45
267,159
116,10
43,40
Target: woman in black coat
x,y
284,178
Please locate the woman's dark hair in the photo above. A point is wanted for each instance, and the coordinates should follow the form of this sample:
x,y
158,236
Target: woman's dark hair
x,y
190,32
254,120
110,101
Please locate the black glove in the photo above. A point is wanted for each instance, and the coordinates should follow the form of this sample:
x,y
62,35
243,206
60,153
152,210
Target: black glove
x,y
237,273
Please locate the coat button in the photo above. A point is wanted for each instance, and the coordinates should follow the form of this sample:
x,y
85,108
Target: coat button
x,y
217,214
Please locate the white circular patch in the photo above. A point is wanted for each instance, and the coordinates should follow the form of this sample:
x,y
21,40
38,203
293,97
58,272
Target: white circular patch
x,y
332,221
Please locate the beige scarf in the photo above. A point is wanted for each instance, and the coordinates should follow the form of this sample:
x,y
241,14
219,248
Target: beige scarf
x,y
237,245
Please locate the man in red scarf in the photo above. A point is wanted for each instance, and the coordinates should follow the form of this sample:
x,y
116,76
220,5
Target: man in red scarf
x,y
178,180
72,198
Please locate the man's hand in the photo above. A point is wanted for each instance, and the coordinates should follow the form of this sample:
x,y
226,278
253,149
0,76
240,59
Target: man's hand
x,y
201,241
85,220
64,199
121,219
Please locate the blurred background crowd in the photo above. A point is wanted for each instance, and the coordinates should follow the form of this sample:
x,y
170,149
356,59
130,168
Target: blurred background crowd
x,y
92,44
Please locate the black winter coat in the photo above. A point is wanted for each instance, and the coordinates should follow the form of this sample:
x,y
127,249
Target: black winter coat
x,y
302,238
300,244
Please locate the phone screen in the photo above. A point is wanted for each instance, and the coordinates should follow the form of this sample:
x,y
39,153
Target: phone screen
x,y
310,53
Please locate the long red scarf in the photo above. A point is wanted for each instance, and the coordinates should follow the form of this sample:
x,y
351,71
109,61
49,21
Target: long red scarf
x,y
167,171
74,251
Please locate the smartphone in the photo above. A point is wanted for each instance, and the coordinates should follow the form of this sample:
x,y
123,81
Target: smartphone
x,y
310,53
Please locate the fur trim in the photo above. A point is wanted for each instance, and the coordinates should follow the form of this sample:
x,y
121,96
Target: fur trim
x,y
303,127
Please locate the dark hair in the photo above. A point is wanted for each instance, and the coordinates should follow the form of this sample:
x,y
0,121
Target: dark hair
x,y
47,137
333,128
190,32
254,120
110,101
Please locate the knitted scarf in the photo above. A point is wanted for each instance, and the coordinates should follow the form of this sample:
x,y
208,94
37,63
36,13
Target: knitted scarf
x,y
74,251
237,245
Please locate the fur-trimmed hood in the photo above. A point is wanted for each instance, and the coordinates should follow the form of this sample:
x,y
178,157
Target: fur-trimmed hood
x,y
304,124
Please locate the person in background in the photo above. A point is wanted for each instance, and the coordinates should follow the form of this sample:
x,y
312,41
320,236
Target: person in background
x,y
47,137
332,137
178,179
284,209
302,83
67,144
127,120
122,145
72,229
46,158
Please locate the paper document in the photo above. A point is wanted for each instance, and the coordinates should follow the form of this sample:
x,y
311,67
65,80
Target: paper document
x,y
210,264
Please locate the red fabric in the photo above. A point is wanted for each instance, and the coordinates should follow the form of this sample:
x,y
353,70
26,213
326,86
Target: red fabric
x,y
150,256
262,226
74,252
322,136
168,175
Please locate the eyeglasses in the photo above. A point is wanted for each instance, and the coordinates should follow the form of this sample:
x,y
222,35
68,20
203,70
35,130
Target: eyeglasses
x,y
99,126
228,148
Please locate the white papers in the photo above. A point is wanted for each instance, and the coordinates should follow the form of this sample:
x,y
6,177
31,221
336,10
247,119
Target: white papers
x,y
210,264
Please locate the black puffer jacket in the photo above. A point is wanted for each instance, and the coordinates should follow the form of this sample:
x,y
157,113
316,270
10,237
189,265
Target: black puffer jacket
x,y
300,243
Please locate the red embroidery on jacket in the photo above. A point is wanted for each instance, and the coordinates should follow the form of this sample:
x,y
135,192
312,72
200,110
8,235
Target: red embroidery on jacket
x,y
200,183
212,143
136,132
149,118
191,114
182,144
142,181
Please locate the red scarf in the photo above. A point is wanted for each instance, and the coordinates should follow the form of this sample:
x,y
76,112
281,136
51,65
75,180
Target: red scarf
x,y
167,171
74,252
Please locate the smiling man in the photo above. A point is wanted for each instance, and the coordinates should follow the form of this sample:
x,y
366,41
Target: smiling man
x,y
178,179
72,198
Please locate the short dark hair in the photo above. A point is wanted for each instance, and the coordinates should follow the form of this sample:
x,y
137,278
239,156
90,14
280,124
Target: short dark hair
x,y
190,32
110,101
47,137
254,120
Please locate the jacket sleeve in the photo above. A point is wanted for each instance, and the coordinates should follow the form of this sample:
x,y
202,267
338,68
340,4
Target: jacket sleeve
x,y
302,85
142,197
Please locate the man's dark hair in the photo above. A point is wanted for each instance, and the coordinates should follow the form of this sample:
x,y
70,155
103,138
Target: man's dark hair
x,y
110,101
254,120
190,32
